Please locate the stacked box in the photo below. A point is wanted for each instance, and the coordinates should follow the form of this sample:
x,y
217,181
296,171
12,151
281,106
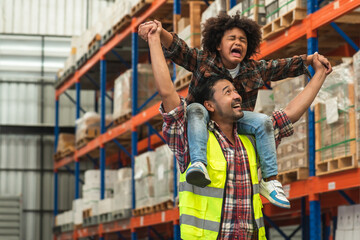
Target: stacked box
x,y
88,126
265,102
335,115
292,152
144,179
184,34
120,9
77,208
253,9
348,222
356,66
164,174
123,86
122,190
271,10
91,188
65,141
277,8
213,10
106,205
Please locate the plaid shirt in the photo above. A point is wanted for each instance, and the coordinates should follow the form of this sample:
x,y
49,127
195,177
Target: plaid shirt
x,y
237,218
252,74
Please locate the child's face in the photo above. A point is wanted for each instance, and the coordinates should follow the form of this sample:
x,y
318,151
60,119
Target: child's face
x,y
233,47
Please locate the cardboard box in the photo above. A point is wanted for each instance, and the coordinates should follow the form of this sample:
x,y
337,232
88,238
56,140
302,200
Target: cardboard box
x,y
346,217
182,23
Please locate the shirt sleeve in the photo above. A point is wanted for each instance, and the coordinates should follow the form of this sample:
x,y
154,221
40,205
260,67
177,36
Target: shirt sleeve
x,y
282,126
274,70
174,132
181,54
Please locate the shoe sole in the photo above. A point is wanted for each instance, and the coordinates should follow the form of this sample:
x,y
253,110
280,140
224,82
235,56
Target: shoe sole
x,y
197,178
274,202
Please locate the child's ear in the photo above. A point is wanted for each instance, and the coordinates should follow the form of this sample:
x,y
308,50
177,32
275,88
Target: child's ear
x,y
209,106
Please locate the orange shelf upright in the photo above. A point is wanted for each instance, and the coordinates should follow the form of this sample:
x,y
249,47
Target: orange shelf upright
x,y
312,22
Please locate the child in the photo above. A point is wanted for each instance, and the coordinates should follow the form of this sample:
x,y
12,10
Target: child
x,y
228,44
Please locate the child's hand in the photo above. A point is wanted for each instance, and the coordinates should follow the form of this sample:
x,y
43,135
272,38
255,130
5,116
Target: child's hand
x,y
323,60
147,28
320,62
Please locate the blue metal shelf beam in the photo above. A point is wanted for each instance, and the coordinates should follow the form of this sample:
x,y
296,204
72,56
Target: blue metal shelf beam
x,y
97,86
102,125
344,36
77,163
73,101
121,59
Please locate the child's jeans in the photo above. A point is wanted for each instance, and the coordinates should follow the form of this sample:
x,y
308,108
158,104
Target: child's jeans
x,y
257,124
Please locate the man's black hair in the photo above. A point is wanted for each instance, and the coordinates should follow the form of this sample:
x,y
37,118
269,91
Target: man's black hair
x,y
205,88
215,27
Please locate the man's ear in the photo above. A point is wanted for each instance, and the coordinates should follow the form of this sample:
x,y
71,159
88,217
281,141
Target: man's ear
x,y
209,106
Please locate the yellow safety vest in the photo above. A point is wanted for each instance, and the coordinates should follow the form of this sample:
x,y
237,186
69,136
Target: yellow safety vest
x,y
201,208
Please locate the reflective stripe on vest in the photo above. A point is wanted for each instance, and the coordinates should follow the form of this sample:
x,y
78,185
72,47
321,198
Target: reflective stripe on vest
x,y
201,208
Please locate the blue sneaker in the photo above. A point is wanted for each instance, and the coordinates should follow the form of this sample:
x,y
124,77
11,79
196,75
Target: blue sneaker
x,y
197,175
273,191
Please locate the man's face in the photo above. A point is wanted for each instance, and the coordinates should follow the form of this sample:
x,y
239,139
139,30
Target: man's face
x,y
233,47
227,101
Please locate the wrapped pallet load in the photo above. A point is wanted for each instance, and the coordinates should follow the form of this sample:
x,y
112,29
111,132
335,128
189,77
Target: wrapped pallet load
x,y
123,86
164,174
88,127
253,9
356,66
123,191
334,121
292,154
91,189
144,179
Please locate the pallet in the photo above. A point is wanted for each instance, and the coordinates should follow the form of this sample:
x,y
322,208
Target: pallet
x,y
87,213
122,24
183,81
81,61
106,217
283,22
90,221
122,119
151,209
293,175
336,165
56,230
139,8
121,214
64,153
94,48
89,135
95,39
107,36
67,227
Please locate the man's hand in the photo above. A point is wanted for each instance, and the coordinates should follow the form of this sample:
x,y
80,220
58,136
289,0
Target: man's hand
x,y
147,28
322,59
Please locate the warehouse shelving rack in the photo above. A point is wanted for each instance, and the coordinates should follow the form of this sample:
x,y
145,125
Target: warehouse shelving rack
x,y
308,196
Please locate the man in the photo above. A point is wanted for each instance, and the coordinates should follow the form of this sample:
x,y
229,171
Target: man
x,y
230,206
229,42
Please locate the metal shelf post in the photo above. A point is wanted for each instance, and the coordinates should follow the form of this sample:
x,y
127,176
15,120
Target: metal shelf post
x,y
315,210
134,140
77,163
56,132
177,15
102,125
232,3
